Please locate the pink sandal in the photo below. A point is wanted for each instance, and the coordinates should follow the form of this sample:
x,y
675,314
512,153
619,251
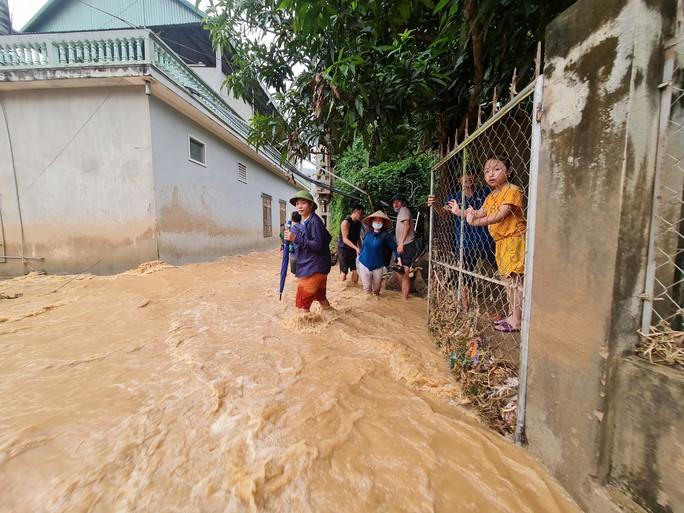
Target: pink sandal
x,y
505,327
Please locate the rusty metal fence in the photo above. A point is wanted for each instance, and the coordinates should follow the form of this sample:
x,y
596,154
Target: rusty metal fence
x,y
664,291
478,273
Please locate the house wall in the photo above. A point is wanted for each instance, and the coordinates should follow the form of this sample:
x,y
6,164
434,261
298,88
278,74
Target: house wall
x,y
83,161
205,212
603,64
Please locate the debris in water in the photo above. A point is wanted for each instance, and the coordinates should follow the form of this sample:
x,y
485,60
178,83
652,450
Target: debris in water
x,y
16,295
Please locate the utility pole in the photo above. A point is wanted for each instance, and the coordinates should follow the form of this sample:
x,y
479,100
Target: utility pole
x,y
5,22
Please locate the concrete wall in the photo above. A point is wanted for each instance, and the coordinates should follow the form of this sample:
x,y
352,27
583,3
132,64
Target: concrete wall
x,y
648,448
205,212
83,160
604,61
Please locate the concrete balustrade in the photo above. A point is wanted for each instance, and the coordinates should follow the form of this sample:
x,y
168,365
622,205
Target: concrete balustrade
x,y
116,48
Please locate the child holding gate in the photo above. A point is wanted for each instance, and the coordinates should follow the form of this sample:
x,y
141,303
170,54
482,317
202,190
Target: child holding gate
x,y
502,212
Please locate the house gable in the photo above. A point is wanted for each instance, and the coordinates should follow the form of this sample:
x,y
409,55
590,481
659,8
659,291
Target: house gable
x,y
74,16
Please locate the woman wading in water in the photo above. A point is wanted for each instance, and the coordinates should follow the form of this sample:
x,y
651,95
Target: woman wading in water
x,y
312,253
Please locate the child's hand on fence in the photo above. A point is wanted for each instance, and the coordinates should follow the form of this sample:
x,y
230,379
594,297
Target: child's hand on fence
x,y
431,200
454,208
470,215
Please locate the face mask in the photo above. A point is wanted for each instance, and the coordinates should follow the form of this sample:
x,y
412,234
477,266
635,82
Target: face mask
x,y
377,225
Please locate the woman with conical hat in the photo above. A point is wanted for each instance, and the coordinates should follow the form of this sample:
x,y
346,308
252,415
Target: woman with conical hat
x,y
312,253
372,256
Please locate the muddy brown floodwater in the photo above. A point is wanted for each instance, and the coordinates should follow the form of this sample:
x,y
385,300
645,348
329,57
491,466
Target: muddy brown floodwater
x,y
192,389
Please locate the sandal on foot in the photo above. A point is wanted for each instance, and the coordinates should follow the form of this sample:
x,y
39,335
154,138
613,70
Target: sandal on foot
x,y
505,327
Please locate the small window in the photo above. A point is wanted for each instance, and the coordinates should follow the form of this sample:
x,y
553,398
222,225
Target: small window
x,y
266,208
197,151
242,172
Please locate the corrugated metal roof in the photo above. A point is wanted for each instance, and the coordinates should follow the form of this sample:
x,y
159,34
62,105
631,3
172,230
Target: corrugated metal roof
x,y
77,15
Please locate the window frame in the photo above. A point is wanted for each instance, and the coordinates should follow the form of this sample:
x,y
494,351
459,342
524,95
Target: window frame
x,y
238,172
192,138
282,211
267,201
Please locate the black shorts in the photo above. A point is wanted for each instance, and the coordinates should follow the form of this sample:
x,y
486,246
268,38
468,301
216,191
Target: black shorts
x,y
346,257
410,253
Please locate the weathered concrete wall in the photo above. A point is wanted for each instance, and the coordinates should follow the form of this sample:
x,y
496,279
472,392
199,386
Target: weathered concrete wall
x,y
648,447
205,212
84,170
603,66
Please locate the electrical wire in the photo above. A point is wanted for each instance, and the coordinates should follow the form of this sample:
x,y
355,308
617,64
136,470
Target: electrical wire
x,y
63,149
109,13
16,182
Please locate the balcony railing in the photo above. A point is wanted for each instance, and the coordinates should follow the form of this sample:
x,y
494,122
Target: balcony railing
x,y
117,48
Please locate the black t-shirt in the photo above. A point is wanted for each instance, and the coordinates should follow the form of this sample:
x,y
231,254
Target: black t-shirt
x,y
354,233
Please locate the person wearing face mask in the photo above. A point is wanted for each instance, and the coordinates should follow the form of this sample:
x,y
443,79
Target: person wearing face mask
x,y
371,259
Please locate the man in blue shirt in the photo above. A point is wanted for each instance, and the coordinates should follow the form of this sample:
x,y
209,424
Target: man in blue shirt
x,y
476,242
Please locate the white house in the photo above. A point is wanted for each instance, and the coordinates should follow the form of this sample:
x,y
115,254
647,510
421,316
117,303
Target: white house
x,y
117,145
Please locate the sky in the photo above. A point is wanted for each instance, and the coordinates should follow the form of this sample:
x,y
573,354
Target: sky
x,y
22,10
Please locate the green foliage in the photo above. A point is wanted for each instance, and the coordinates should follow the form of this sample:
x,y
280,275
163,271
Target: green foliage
x,y
409,176
397,73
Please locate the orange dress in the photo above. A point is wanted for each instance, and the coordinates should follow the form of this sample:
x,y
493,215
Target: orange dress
x,y
509,233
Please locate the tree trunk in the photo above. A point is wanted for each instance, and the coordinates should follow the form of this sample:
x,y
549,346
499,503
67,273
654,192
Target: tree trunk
x,y
477,41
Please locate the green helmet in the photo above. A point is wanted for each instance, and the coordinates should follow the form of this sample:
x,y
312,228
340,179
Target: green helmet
x,y
303,195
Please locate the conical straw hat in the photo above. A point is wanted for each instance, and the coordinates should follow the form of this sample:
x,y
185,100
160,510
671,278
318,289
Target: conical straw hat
x,y
378,214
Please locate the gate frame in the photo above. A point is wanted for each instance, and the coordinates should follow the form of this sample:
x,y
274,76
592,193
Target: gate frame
x,y
535,89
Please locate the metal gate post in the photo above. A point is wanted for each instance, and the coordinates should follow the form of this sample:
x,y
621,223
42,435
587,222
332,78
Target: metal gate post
x,y
429,294
519,435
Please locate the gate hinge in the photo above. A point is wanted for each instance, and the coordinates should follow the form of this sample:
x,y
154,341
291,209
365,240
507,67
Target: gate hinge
x,y
540,111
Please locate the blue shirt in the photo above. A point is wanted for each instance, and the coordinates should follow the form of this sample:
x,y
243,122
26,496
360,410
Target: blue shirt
x,y
373,250
313,247
473,236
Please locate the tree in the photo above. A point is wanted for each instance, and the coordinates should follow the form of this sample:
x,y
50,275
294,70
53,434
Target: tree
x,y
409,176
397,73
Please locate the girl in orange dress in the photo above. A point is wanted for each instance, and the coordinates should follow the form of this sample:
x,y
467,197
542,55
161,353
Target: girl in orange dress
x,y
502,212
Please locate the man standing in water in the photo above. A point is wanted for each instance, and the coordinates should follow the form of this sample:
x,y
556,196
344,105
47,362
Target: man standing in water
x,y
313,253
406,242
349,245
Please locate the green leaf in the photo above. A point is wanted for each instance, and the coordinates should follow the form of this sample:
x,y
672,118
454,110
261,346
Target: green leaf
x,y
441,5
359,106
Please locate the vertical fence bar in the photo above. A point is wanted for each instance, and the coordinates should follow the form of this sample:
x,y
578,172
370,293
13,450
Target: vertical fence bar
x,y
461,234
665,109
430,243
519,434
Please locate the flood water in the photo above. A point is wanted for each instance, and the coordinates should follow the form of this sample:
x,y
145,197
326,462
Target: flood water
x,y
193,389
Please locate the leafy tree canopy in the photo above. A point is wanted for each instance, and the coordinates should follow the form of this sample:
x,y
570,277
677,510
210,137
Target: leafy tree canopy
x,y
409,176
397,73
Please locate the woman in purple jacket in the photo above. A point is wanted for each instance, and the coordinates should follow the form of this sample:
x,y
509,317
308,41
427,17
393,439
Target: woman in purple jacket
x,y
313,253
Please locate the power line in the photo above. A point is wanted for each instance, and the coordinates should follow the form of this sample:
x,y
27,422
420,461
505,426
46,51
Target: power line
x,y
109,13
59,153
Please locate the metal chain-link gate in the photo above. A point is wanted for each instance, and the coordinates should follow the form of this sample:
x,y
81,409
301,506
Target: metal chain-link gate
x,y
478,267
664,294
